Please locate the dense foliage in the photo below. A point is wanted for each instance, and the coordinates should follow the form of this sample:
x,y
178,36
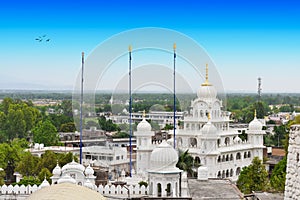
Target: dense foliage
x,y
253,178
277,179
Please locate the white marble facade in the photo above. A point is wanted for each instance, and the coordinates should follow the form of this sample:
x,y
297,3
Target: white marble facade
x,y
210,140
292,184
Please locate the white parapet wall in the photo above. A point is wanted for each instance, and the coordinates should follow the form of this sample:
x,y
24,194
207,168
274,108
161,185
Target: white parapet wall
x,y
21,192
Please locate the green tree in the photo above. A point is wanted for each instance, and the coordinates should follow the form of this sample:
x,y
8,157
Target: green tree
x,y
27,166
68,127
48,160
280,134
16,125
186,162
45,173
29,180
277,179
107,125
66,106
168,127
10,154
66,158
45,133
253,178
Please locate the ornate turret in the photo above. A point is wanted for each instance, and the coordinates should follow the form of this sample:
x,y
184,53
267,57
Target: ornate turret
x,y
207,90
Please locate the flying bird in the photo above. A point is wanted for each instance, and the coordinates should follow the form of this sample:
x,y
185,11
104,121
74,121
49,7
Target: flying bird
x,y
42,38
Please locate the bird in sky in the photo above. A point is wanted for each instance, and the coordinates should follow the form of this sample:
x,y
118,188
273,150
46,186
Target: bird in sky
x,y
42,38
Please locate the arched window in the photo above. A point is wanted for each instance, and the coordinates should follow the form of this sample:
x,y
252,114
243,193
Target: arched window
x,y
219,158
227,173
218,142
219,175
231,157
238,171
197,160
227,157
227,141
159,190
238,156
223,174
245,154
193,142
223,158
249,154
231,172
179,142
168,189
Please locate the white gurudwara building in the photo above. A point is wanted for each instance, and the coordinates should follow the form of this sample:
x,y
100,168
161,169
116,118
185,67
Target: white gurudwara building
x,y
213,144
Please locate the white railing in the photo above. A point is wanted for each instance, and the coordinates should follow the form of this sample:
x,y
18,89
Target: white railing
x,y
109,190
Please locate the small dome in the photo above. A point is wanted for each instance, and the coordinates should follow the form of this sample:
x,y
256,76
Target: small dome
x,y
45,183
207,92
144,126
56,170
209,129
66,179
73,166
89,184
255,125
89,170
237,140
163,157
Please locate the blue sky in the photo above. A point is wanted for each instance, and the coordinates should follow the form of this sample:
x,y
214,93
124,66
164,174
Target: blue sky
x,y
245,39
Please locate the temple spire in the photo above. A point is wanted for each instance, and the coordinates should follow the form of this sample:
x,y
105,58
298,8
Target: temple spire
x,y
206,83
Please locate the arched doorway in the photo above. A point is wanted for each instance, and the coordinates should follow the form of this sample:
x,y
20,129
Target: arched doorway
x,y
159,190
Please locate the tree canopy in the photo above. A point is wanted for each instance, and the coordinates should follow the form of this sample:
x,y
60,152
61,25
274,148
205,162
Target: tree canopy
x,y
45,133
253,178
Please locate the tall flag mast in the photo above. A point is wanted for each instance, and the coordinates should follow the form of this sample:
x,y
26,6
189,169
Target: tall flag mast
x,y
174,110
81,100
130,112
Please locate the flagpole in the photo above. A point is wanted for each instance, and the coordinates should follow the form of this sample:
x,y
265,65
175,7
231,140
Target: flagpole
x,y
81,100
130,113
174,110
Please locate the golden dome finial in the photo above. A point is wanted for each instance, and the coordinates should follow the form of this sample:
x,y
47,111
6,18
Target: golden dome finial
x,y
174,46
144,114
206,83
208,116
254,113
129,48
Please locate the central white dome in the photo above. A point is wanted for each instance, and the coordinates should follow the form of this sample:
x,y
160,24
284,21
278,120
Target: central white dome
x,y
209,129
207,92
73,166
144,126
163,157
